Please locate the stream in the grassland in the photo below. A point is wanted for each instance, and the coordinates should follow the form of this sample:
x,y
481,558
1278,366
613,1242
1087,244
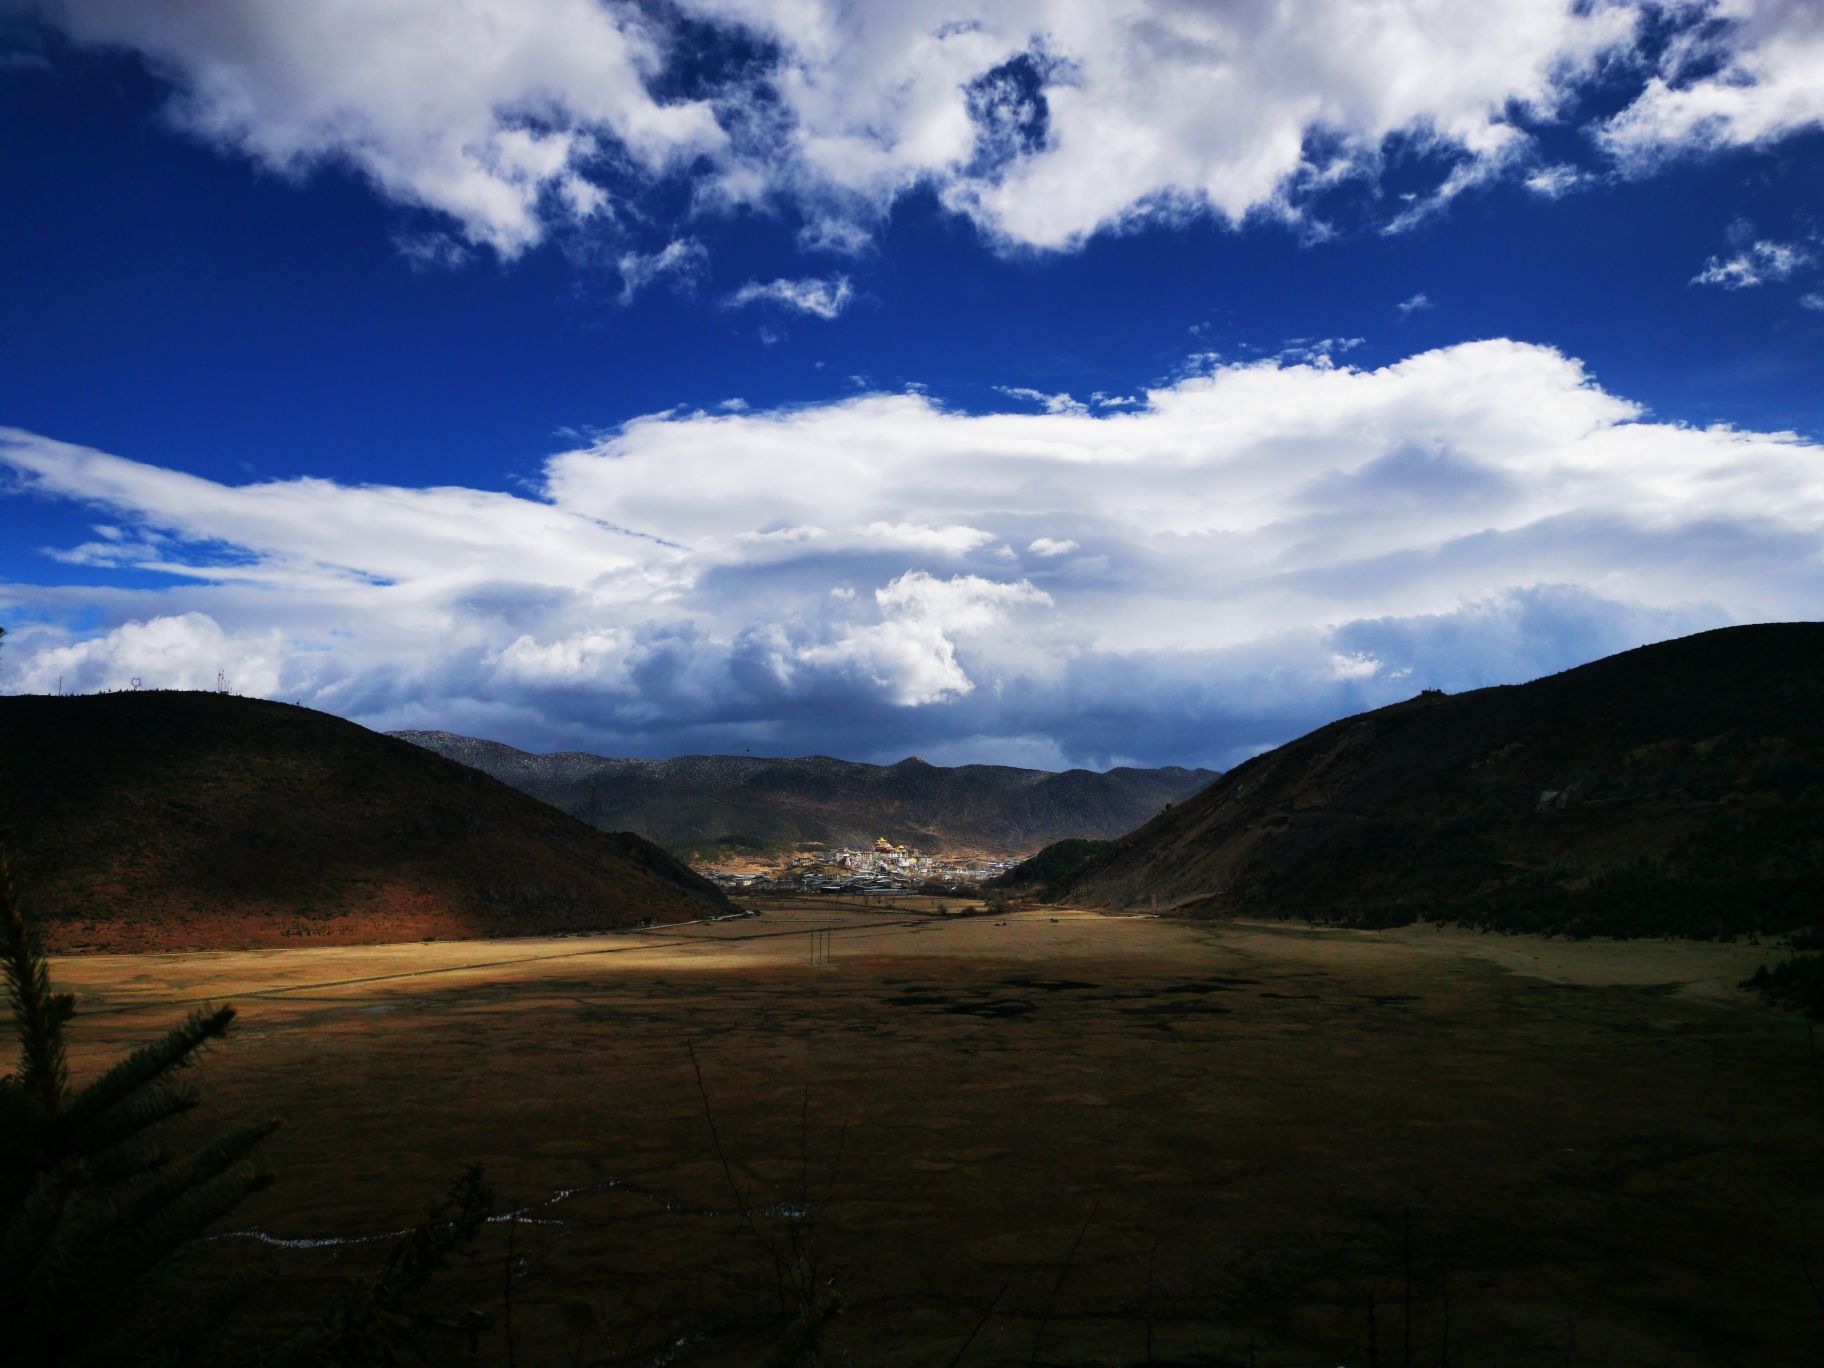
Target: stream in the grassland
x,y
525,1215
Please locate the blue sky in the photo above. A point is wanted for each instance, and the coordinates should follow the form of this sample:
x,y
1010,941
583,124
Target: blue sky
x,y
1055,384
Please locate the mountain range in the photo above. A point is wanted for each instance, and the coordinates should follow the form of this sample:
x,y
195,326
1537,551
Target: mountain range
x,y
992,809
1677,789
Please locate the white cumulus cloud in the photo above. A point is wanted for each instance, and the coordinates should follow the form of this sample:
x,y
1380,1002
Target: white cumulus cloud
x,y
1556,180
910,655
1044,121
1211,569
492,112
1748,73
821,298
178,651
1051,403
1755,261
682,261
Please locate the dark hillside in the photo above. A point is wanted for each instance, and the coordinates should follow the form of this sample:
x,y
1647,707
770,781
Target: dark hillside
x,y
1674,789
1052,868
176,820
695,798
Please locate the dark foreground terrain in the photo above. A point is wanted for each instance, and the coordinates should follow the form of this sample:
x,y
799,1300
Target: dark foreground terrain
x,y
169,821
1677,789
1017,1140
995,809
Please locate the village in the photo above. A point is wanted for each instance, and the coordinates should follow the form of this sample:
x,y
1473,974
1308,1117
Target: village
x,y
881,869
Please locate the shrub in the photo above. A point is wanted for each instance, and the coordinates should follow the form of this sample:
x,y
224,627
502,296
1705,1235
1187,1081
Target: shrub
x,y
1797,980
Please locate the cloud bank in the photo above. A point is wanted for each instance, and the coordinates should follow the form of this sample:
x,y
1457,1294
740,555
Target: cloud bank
x,y
1236,557
1043,121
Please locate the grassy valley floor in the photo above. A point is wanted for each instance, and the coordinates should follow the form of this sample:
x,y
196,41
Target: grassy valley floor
x,y
1264,1144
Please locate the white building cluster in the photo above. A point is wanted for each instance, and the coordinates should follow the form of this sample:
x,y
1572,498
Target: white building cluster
x,y
882,868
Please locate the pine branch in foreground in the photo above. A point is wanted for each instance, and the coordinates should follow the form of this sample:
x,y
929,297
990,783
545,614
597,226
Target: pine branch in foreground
x,y
92,1203
374,1323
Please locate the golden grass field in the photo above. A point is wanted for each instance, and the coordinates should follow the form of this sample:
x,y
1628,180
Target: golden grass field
x,y
1516,1151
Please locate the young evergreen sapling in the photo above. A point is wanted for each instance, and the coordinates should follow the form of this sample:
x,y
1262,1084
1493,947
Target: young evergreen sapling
x,y
93,1201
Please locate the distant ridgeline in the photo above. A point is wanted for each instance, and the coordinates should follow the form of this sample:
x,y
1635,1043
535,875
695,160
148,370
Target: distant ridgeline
x,y
1677,789
697,799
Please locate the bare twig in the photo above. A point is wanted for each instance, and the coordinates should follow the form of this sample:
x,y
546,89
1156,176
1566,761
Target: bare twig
x,y
1817,1078
804,1146
1064,1272
1811,1281
1406,1297
1444,1284
506,1310
804,1276
728,1172
994,1302
1817,1068
1152,1259
734,1186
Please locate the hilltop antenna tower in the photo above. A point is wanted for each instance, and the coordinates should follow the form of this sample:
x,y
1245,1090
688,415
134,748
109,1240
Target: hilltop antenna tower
x,y
221,681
